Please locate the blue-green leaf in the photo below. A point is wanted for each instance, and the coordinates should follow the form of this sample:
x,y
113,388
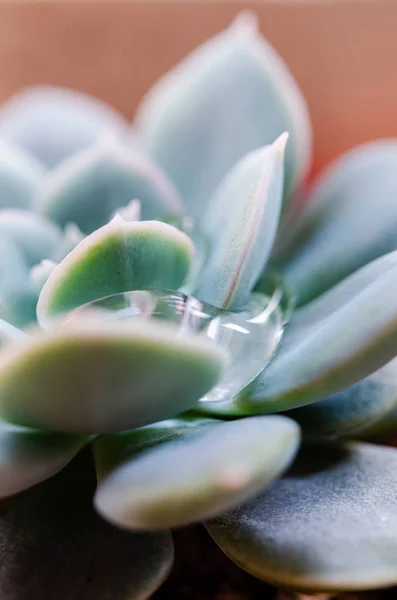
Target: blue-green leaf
x,y
349,221
329,525
52,122
95,376
250,197
55,546
34,235
20,176
354,409
121,256
198,476
87,188
333,342
232,95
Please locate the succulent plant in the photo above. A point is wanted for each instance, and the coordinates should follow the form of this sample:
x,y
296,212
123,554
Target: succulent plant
x,y
189,281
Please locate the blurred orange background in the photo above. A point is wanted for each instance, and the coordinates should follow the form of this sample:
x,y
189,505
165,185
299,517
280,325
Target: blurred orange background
x,y
342,52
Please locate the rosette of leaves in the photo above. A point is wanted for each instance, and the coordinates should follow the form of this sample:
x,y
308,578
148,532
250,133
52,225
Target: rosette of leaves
x,y
89,210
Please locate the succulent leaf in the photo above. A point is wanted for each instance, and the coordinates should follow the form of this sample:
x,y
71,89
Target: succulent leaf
x,y
232,95
95,376
20,176
111,450
87,188
329,525
52,123
199,476
121,256
18,298
330,344
350,220
251,197
55,546
353,409
34,235
9,333
30,456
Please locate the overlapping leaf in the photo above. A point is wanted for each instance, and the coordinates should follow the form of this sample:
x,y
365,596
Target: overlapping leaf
x,y
94,376
199,476
329,525
120,257
232,95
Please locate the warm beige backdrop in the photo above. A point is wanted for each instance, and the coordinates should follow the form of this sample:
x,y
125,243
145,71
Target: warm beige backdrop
x,y
343,52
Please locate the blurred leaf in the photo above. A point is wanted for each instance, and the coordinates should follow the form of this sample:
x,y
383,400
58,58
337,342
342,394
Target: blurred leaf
x,y
349,220
52,122
30,456
87,188
120,257
34,235
71,237
251,198
329,525
199,476
95,376
20,176
230,96
111,450
55,546
352,410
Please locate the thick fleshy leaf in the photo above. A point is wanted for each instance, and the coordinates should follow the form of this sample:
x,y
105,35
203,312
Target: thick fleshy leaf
x,y
199,476
250,197
20,176
52,122
120,257
30,456
111,450
329,525
55,546
333,342
232,95
349,221
87,188
39,274
18,298
354,409
34,235
94,376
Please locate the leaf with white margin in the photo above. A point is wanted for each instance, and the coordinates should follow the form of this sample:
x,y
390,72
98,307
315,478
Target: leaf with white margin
x,y
111,450
242,221
29,456
349,220
72,236
352,410
120,257
55,546
53,123
20,176
34,235
88,187
200,476
230,96
330,344
94,375
329,525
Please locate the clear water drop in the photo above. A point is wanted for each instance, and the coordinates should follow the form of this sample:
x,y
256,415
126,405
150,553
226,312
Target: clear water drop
x,y
250,336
